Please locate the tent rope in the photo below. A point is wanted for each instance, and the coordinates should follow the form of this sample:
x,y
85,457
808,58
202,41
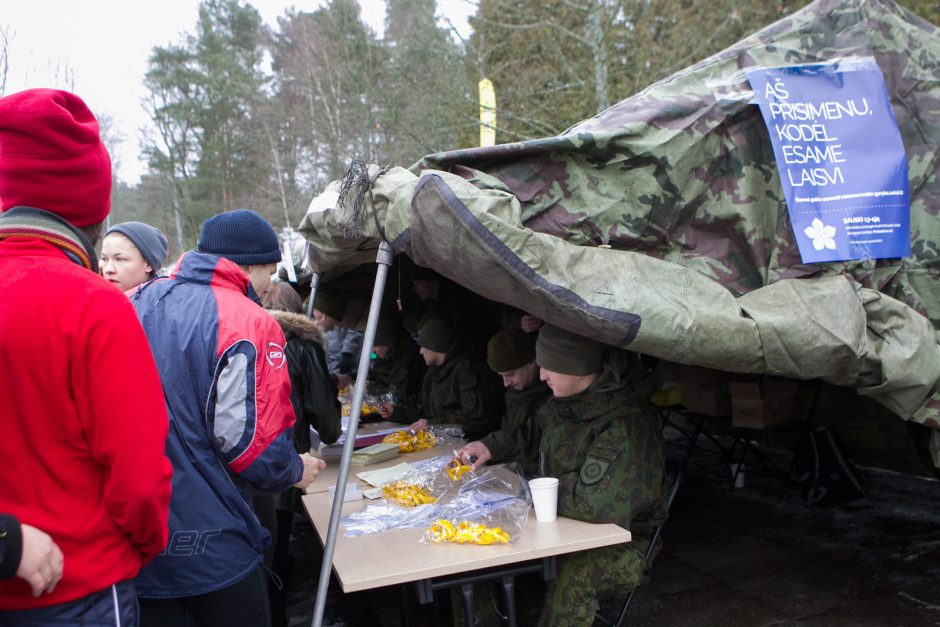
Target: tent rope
x,y
357,182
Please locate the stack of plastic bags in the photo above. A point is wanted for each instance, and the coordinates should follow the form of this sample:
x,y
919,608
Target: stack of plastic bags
x,y
452,502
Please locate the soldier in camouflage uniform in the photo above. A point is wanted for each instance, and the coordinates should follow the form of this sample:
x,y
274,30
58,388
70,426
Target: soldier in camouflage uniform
x,y
600,438
397,370
457,389
511,354
343,345
474,318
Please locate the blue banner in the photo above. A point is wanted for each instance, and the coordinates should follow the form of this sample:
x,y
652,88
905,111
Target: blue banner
x,y
840,157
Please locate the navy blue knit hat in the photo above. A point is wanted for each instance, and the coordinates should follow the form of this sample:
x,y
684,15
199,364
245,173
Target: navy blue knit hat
x,y
241,236
149,240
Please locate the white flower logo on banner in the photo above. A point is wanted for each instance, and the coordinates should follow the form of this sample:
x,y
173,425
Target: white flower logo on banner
x,y
821,234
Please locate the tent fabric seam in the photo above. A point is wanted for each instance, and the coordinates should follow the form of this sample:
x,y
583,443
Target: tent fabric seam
x,y
524,271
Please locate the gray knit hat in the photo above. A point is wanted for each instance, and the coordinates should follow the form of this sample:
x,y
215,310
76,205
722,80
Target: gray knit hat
x,y
510,349
437,334
566,353
149,240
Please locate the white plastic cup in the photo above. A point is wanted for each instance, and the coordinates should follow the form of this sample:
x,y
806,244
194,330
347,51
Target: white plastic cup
x,y
544,498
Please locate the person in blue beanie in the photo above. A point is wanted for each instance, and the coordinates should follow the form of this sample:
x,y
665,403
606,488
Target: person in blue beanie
x,y
223,364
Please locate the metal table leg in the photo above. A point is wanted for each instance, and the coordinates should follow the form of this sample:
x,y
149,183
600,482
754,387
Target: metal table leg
x,y
468,613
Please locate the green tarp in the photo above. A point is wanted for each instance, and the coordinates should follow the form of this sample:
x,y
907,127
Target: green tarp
x,y
660,224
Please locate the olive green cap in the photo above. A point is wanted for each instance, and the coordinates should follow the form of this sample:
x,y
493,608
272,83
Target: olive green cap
x,y
437,334
387,330
331,304
564,352
510,349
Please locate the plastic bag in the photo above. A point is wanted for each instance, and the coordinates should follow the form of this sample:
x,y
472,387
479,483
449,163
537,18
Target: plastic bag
x,y
429,482
432,465
409,442
447,432
490,507
398,510
368,408
382,516
495,496
407,492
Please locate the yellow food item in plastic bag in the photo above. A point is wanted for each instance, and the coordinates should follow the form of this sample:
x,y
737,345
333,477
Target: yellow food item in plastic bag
x,y
407,494
364,410
456,470
441,530
466,532
410,442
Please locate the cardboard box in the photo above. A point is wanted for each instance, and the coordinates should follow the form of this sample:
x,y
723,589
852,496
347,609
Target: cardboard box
x,y
706,390
764,405
708,400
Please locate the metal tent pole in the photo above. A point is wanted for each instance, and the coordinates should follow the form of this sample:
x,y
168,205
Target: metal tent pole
x,y
314,287
384,259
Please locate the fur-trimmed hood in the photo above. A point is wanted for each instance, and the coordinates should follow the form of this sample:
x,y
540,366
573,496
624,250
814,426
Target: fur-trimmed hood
x,y
299,325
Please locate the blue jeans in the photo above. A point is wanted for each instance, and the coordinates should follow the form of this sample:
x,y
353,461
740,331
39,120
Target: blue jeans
x,y
115,606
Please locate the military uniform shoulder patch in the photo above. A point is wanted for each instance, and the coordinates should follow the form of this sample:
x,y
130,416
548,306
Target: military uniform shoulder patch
x,y
593,470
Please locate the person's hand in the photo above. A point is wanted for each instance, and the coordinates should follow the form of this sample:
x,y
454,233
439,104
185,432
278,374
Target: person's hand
x,y
41,564
386,408
529,323
312,467
468,451
419,425
343,381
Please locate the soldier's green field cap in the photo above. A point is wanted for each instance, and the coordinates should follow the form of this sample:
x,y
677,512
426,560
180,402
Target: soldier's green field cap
x,y
420,273
566,353
386,330
510,349
437,334
330,303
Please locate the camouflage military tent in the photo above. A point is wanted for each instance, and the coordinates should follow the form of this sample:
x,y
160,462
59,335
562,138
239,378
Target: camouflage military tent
x,y
660,224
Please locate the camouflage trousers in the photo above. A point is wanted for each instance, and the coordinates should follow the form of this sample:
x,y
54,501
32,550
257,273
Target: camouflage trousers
x,y
572,599
485,611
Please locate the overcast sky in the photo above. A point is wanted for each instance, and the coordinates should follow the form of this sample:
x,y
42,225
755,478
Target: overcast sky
x,y
101,48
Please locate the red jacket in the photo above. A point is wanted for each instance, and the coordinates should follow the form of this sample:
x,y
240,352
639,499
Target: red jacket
x,y
84,422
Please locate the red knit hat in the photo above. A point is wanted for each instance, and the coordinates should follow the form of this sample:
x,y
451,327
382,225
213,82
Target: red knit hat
x,y
52,158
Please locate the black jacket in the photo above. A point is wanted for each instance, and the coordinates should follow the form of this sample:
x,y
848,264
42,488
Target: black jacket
x,y
11,545
313,392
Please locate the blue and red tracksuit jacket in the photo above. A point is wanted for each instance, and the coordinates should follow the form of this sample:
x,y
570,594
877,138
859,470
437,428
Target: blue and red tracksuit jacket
x,y
221,359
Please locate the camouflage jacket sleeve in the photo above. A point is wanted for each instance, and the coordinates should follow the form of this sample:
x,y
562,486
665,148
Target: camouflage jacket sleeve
x,y
606,487
502,444
405,381
516,440
465,406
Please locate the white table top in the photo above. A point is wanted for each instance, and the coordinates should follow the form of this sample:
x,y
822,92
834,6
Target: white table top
x,y
396,556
